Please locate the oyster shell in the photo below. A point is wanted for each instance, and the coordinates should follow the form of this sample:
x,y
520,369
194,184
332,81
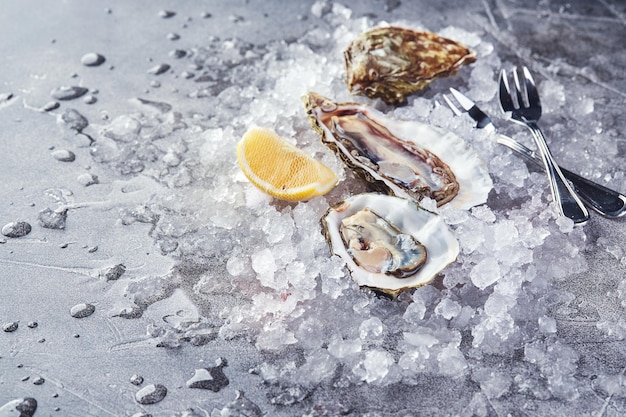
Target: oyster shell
x,y
406,158
393,62
389,244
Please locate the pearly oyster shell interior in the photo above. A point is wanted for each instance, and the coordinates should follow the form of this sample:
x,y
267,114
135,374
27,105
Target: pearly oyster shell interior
x,y
408,159
419,238
393,62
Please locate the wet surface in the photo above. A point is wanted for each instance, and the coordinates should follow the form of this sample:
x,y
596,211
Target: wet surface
x,y
136,262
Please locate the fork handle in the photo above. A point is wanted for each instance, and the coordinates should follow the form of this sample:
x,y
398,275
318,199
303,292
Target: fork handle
x,y
568,202
607,202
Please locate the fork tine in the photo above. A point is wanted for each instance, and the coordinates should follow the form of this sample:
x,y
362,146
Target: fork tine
x,y
505,93
452,106
520,93
531,88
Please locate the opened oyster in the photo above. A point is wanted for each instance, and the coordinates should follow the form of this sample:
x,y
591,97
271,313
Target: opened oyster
x,y
393,62
406,158
389,244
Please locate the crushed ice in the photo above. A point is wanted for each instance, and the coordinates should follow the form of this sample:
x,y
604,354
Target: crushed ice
x,y
497,299
291,292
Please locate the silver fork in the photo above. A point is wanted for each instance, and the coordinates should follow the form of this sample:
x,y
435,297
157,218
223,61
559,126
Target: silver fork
x,y
607,202
525,108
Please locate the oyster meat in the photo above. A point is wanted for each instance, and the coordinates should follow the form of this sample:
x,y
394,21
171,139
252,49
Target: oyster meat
x,y
406,158
393,62
378,246
389,244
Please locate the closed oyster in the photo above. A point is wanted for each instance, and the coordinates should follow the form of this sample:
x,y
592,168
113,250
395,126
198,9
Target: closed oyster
x,y
406,158
393,62
389,244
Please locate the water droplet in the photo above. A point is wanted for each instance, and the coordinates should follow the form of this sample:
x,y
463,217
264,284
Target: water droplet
x,y
166,14
155,84
178,53
38,381
42,340
187,75
74,120
64,155
114,273
90,99
52,219
205,15
4,97
16,229
87,179
173,36
136,380
24,378
32,324
209,378
92,249
82,310
236,18
157,105
159,69
22,407
123,129
10,327
92,59
151,394
68,92
241,407
53,105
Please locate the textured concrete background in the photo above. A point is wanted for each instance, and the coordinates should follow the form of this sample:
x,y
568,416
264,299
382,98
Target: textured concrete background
x,y
86,368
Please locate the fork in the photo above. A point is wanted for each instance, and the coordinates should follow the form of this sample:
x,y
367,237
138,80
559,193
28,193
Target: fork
x,y
607,202
525,108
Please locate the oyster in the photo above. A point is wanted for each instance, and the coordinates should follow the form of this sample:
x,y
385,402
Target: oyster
x,y
406,158
393,62
378,246
389,244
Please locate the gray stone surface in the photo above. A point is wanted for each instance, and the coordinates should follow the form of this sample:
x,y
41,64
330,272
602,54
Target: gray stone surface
x,y
87,363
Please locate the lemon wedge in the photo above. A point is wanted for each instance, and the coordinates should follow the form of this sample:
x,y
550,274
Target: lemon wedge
x,y
280,169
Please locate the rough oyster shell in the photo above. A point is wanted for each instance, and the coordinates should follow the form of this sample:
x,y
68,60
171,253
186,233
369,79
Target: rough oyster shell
x,y
393,62
411,222
406,158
